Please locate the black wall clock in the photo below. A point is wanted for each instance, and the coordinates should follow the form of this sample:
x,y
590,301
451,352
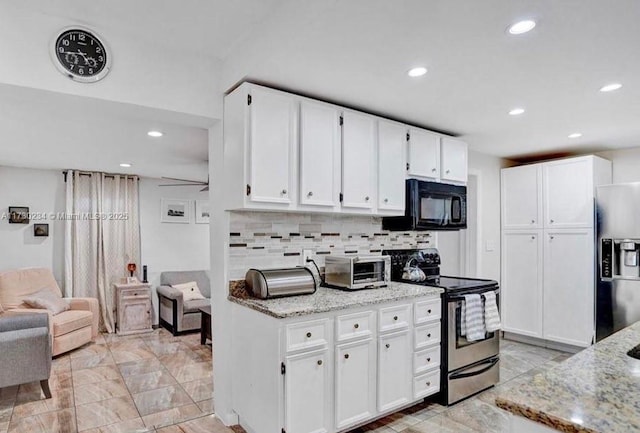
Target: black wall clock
x,y
81,55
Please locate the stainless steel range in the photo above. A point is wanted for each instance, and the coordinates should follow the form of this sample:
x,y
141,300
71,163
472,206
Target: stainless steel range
x,y
467,367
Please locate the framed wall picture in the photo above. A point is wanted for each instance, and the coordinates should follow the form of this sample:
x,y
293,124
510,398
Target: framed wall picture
x,y
175,211
41,230
202,212
18,215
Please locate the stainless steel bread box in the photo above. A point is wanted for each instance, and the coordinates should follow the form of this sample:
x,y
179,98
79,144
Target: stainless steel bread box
x,y
276,283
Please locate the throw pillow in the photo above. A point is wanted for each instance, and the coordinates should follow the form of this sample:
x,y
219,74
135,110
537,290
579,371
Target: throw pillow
x,y
190,291
46,299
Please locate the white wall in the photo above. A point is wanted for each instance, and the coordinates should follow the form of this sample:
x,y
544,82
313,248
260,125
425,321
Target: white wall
x,y
170,246
142,73
487,167
41,191
626,164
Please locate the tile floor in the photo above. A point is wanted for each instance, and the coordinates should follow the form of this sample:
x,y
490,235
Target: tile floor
x,y
159,383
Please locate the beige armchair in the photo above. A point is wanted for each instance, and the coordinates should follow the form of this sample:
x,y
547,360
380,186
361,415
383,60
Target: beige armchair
x,y
69,329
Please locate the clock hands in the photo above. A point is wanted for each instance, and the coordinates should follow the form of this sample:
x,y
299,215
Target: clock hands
x,y
72,57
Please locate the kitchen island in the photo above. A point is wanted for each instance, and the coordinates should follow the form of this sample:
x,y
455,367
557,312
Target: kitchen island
x,y
596,390
335,359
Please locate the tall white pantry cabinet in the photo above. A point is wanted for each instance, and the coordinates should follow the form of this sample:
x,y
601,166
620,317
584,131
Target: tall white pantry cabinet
x,y
548,248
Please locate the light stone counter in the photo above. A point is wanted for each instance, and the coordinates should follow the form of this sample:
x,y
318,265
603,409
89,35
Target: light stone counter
x,y
327,299
596,390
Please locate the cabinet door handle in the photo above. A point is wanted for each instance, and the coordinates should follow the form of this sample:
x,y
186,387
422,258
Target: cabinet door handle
x,y
310,194
533,237
387,345
448,171
551,221
356,326
386,200
284,191
366,198
551,237
319,361
533,221
308,334
395,317
433,170
346,356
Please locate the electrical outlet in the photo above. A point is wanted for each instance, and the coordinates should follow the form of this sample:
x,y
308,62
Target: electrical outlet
x,y
306,254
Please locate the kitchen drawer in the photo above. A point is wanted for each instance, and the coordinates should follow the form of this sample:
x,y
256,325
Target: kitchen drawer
x,y
307,335
426,384
354,326
426,335
426,359
395,318
426,311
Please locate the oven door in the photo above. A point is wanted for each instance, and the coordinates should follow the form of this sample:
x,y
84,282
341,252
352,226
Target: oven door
x,y
460,351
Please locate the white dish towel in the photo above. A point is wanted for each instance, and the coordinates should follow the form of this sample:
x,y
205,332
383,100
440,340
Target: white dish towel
x,y
491,314
474,318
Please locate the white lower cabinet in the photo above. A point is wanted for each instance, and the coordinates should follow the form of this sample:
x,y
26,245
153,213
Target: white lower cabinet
x,y
394,372
307,393
355,382
334,371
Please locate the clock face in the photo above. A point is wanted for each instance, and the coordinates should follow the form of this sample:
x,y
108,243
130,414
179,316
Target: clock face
x,y
81,55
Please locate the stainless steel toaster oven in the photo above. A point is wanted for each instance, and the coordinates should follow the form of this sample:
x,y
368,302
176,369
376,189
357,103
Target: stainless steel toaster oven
x,y
357,272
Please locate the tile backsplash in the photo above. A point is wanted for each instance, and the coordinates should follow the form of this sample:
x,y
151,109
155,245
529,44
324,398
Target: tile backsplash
x,y
271,239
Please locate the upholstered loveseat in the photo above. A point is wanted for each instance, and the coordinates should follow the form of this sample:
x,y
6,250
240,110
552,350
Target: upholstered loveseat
x,y
69,329
175,314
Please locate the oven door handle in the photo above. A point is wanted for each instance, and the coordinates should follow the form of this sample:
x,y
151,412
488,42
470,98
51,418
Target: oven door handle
x,y
461,298
462,375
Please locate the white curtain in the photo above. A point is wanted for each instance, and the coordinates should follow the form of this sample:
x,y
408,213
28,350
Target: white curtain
x,y
102,236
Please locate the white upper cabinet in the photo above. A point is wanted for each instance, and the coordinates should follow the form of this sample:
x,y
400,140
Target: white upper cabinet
x,y
522,197
391,166
358,160
271,144
568,191
454,160
319,154
424,154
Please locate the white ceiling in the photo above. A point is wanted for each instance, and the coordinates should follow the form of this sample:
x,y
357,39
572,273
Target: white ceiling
x,y
356,53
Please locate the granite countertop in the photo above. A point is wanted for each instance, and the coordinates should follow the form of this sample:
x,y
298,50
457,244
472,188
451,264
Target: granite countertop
x,y
327,299
596,390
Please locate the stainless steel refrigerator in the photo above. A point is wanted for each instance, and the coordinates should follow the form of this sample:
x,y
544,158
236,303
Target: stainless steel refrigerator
x,y
618,287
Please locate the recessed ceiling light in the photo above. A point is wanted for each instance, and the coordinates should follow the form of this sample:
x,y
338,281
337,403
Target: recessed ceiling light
x,y
125,165
154,134
516,111
521,27
417,72
575,135
610,87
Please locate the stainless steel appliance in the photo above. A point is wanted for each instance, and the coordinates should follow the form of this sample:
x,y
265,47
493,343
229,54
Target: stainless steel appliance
x,y
618,286
357,272
467,367
431,206
275,283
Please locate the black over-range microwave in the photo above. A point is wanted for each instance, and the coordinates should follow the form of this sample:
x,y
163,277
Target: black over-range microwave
x,y
431,206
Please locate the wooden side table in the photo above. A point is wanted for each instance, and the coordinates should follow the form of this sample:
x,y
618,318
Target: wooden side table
x,y
133,304
205,330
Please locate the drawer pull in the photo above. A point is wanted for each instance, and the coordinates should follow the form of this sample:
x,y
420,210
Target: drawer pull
x,y
395,317
428,359
428,335
308,334
429,311
356,326
346,356
387,345
428,383
320,362
284,191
